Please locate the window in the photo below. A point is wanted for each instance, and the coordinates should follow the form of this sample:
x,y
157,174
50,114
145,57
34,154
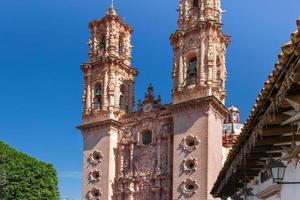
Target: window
x,y
219,69
147,138
102,45
123,103
98,97
192,72
195,4
121,45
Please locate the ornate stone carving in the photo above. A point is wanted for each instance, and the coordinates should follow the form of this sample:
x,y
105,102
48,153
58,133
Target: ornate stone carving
x,y
145,161
94,194
165,130
95,176
188,188
127,136
189,165
189,143
95,157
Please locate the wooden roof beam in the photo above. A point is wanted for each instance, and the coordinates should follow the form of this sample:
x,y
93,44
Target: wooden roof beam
x,y
276,140
277,130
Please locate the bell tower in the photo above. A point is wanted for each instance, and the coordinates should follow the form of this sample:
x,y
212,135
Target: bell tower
x,y
199,47
108,95
109,77
199,77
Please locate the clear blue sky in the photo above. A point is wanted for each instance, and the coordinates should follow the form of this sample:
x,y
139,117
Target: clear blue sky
x,y
43,43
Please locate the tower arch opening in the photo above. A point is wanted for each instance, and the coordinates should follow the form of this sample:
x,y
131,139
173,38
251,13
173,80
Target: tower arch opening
x,y
195,3
191,73
219,65
123,101
98,96
147,137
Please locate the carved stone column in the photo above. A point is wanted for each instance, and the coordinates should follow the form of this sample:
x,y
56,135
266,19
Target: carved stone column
x,y
181,72
158,153
88,93
202,62
131,158
105,87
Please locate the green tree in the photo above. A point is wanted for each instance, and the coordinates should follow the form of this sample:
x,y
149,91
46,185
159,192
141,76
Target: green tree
x,y
25,178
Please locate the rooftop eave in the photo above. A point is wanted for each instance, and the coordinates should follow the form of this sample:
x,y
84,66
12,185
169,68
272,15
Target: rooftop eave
x,y
290,52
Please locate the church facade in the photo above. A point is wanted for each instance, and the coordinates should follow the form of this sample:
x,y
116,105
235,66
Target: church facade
x,y
157,152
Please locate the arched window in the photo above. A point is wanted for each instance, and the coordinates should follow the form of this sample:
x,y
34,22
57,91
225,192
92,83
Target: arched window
x,y
123,101
219,69
192,72
98,96
195,4
121,45
102,44
147,137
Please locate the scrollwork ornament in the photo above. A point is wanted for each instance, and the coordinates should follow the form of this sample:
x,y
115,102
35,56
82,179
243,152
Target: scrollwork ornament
x,y
94,194
95,176
165,130
189,165
127,136
188,188
95,157
190,143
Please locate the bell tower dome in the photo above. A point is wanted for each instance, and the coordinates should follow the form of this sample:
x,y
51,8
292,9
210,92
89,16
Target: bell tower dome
x,y
199,46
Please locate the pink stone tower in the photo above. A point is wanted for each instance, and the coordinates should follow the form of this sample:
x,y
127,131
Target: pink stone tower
x,y
159,152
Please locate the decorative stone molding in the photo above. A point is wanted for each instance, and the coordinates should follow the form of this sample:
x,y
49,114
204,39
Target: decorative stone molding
x,y
189,143
189,165
188,188
94,194
165,130
95,157
95,176
127,136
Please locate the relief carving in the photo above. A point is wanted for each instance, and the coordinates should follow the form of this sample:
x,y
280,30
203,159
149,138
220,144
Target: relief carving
x,y
126,136
189,165
165,131
190,143
95,157
94,194
95,176
188,188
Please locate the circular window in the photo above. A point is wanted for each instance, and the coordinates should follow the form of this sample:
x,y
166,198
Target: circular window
x,y
188,188
190,165
190,143
95,194
95,157
95,176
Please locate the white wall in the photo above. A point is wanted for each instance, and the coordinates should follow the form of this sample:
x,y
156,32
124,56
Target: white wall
x,y
287,192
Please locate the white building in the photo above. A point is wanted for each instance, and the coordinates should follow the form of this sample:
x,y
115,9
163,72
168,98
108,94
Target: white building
x,y
264,163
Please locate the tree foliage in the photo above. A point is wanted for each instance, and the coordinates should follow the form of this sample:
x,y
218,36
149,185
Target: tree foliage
x,y
25,178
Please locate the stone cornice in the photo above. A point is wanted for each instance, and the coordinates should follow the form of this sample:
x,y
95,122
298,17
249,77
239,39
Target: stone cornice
x,y
212,101
200,25
105,123
109,60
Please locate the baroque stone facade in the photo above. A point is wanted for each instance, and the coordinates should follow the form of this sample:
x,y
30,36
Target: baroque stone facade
x,y
158,152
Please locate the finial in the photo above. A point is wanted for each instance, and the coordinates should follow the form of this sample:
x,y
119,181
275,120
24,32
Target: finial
x,y
111,10
112,4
